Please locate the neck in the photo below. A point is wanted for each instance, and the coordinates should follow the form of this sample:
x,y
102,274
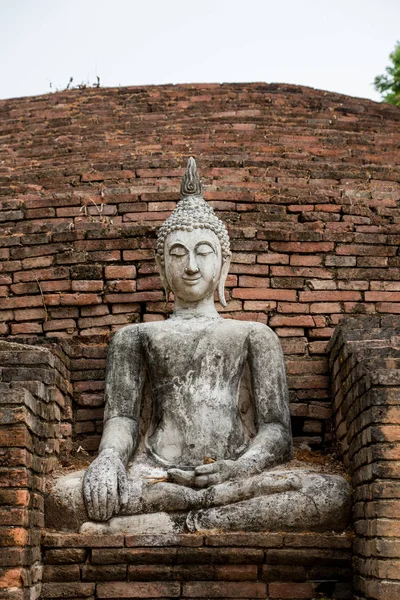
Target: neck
x,y
202,308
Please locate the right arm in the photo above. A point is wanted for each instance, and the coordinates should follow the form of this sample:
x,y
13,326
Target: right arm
x,y
123,393
105,485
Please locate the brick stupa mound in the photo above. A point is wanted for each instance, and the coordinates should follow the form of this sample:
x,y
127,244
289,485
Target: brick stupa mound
x,y
307,182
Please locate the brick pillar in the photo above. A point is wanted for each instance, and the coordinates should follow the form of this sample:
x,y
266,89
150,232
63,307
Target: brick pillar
x,y
34,401
365,365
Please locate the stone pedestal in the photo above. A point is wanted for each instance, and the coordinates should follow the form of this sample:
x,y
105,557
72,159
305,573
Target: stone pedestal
x,y
236,565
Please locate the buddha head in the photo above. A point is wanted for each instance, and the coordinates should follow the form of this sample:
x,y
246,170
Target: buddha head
x,y
193,250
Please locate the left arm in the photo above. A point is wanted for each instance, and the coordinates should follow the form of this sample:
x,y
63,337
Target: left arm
x,y
273,442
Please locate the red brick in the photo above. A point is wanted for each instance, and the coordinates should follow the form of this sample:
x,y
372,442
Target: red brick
x,y
58,324
11,578
87,286
37,262
317,347
30,314
42,274
224,589
372,261
264,294
241,258
142,217
253,282
153,317
138,297
386,590
328,296
322,332
75,540
317,540
16,302
40,213
149,283
243,269
382,296
297,321
162,540
101,176
78,299
5,280
26,328
146,173
273,259
65,556
138,590
291,590
161,206
121,272
388,307
301,207
124,286
68,590
290,331
388,286
367,250
318,273
293,307
305,261
295,346
328,208
309,366
131,255
255,305
107,256
15,497
325,308
14,536
55,286
303,247
264,540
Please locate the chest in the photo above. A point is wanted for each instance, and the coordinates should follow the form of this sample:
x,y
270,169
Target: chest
x,y
173,351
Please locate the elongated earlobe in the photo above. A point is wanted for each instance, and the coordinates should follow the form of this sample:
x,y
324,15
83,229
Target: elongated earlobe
x,y
163,277
224,274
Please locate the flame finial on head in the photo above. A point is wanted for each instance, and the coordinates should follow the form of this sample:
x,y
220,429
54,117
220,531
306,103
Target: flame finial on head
x,y
193,212
191,184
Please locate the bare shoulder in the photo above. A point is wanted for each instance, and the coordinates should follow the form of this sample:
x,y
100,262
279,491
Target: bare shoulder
x,y
126,336
133,332
253,328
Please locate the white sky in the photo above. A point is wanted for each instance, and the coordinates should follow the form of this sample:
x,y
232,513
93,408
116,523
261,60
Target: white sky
x,y
336,45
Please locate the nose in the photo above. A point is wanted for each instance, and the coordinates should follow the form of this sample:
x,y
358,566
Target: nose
x,y
191,267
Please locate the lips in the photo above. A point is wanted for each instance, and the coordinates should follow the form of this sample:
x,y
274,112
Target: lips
x,y
191,280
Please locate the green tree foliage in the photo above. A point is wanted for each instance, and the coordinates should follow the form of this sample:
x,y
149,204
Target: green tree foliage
x,y
389,84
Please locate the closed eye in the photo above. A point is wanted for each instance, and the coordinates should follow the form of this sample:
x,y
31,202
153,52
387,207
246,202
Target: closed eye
x,y
178,251
204,249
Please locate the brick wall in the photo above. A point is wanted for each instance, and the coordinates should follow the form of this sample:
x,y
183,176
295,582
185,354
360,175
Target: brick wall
x,y
365,358
194,566
308,183
35,407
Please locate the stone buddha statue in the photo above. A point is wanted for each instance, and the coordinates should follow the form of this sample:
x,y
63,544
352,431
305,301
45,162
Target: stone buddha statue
x,y
219,423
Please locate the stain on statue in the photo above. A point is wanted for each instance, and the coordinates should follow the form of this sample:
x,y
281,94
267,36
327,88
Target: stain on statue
x,y
219,425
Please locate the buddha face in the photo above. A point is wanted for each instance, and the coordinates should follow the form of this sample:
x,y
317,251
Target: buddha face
x,y
193,263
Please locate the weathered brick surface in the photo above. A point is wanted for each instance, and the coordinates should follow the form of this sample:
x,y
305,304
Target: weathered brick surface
x,y
308,183
365,359
197,566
